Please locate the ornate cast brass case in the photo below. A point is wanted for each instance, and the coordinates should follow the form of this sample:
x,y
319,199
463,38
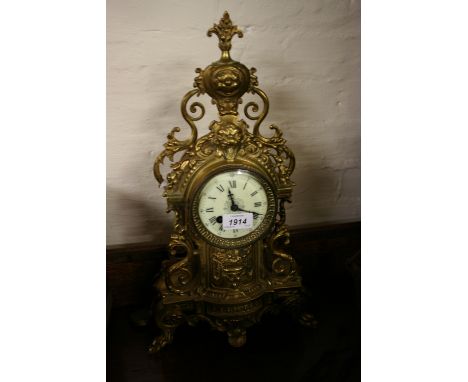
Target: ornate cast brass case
x,y
228,284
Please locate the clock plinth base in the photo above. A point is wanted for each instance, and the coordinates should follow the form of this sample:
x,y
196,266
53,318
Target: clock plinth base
x,y
233,319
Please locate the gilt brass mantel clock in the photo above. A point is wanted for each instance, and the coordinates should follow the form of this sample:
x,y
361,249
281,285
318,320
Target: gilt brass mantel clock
x,y
228,262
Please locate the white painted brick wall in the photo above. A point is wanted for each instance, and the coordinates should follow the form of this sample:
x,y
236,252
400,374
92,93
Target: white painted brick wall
x,y
307,53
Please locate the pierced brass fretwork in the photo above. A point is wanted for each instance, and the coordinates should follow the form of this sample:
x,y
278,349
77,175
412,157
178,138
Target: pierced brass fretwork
x,y
230,285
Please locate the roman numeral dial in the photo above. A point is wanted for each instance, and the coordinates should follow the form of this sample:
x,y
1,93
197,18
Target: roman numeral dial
x,y
233,192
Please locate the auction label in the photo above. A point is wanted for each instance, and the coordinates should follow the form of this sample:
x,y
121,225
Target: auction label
x,y
238,221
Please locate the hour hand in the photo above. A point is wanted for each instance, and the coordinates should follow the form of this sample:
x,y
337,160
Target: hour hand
x,y
233,204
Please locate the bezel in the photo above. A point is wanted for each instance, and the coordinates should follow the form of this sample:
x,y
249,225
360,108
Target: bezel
x,y
251,237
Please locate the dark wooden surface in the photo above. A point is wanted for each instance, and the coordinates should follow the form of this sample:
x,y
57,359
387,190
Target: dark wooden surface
x,y
278,349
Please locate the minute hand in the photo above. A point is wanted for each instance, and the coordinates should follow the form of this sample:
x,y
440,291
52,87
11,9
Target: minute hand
x,y
252,212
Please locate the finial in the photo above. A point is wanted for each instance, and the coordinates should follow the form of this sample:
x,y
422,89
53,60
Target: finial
x,y
225,32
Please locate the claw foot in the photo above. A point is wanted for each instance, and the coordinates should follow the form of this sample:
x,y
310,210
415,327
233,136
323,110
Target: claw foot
x,y
308,320
161,341
237,337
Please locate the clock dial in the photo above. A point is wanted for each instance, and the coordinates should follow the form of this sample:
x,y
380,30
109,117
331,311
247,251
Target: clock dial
x,y
233,204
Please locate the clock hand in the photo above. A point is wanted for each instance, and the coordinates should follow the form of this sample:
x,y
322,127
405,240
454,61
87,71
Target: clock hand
x,y
252,212
231,196
234,206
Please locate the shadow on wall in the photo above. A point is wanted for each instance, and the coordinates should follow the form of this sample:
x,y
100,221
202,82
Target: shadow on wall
x,y
131,220
317,189
314,197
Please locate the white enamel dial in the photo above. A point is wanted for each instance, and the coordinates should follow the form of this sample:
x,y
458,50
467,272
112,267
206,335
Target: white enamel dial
x,y
230,193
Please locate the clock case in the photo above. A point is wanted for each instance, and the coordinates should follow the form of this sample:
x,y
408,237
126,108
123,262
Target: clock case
x,y
228,284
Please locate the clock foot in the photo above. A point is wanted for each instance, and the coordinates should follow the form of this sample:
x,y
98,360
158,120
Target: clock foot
x,y
167,318
296,303
308,320
164,339
237,337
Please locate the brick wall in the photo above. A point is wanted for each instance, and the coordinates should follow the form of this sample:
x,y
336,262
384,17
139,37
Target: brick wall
x,y
307,54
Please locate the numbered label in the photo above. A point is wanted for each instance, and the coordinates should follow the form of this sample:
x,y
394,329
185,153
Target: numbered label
x,y
237,221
